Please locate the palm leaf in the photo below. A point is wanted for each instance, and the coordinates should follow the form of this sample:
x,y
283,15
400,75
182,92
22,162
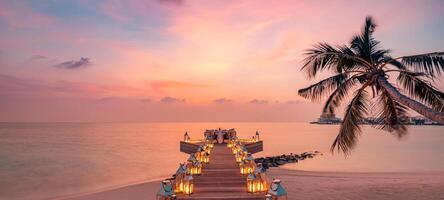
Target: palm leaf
x,y
421,89
393,62
350,130
391,115
431,63
317,91
338,95
324,56
364,44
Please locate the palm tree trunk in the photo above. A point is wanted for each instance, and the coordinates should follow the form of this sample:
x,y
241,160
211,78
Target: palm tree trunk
x,y
414,105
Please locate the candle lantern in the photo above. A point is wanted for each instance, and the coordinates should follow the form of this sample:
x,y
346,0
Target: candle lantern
x,y
188,184
261,181
246,168
247,165
186,137
207,149
251,187
205,158
178,180
197,168
239,157
242,167
198,154
194,168
166,191
277,191
268,197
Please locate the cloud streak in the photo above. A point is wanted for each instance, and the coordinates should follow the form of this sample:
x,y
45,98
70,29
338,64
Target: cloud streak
x,y
169,99
222,100
259,101
74,64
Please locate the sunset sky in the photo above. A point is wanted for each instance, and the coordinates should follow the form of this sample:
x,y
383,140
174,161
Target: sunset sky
x,y
183,60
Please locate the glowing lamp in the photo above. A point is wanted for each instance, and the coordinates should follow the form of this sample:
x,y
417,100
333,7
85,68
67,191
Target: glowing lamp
x,y
261,181
186,137
239,157
277,191
251,179
245,168
205,158
178,180
188,184
166,191
207,149
194,168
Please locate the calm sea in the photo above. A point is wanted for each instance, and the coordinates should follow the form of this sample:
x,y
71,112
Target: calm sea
x,y
46,160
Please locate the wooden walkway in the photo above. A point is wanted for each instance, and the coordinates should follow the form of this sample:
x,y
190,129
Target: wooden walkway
x,y
221,179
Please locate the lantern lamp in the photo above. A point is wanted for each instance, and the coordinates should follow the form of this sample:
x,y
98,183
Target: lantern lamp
x,y
166,191
239,157
242,167
277,191
251,178
268,197
261,182
188,184
205,158
186,137
194,168
178,180
197,168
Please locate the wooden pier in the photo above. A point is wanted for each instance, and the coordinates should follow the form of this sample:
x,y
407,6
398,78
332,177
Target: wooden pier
x,y
220,166
220,179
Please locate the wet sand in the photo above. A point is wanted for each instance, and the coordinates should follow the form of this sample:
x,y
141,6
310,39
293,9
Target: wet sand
x,y
319,185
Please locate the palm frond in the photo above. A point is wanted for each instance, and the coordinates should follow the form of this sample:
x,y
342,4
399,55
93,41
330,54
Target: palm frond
x,y
317,91
430,63
393,62
364,44
338,95
380,55
421,90
324,56
391,115
350,129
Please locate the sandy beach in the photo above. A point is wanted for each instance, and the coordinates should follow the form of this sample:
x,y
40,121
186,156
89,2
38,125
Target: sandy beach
x,y
319,185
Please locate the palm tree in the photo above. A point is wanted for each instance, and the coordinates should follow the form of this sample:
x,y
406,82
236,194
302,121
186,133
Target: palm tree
x,y
363,68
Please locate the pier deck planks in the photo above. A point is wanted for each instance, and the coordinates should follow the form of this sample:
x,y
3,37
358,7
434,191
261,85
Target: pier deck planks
x,y
221,179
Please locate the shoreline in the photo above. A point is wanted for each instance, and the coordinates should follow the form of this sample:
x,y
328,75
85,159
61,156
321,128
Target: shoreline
x,y
312,185
105,189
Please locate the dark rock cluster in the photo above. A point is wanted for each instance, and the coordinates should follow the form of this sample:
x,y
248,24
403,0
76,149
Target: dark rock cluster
x,y
276,161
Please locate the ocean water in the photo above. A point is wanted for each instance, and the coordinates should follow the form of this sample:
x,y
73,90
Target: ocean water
x,y
50,160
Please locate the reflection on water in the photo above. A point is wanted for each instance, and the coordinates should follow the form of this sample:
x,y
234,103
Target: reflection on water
x,y
51,159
